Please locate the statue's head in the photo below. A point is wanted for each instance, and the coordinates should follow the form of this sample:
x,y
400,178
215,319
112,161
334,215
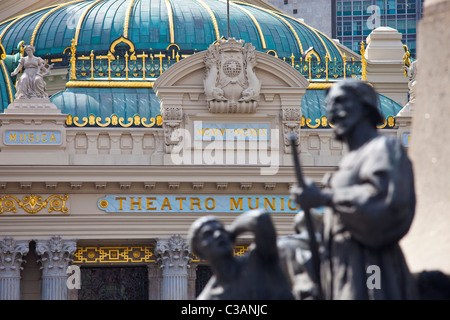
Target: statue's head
x,y
348,103
29,49
209,239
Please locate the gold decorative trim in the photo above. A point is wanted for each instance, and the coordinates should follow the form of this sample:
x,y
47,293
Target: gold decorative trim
x,y
132,254
124,39
109,84
363,63
114,120
33,204
171,27
320,86
3,55
238,251
252,17
323,122
213,17
127,19
8,81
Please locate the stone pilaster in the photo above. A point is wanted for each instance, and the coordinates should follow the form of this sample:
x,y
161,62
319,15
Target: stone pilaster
x,y
154,282
173,255
55,256
11,259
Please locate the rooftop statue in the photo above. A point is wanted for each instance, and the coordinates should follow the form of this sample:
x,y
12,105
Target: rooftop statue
x,y
369,201
256,276
411,72
31,84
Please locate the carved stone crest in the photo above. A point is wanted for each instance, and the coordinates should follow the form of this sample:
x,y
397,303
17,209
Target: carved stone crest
x,y
231,85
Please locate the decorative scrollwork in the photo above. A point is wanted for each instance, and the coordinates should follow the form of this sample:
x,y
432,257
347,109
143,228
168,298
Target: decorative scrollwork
x,y
33,203
114,120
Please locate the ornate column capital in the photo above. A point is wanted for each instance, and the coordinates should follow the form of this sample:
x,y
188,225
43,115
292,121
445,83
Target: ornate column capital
x,y
11,257
55,255
173,253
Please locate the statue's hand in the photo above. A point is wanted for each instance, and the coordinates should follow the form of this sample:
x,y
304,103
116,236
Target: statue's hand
x,y
309,195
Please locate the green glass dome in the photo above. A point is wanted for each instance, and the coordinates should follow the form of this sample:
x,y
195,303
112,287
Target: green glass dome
x,y
190,25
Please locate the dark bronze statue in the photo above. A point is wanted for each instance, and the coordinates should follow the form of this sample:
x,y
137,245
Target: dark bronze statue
x,y
369,200
256,276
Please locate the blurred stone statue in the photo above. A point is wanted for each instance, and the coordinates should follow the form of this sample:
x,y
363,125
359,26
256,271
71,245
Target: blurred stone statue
x,y
256,276
31,83
369,203
296,258
411,72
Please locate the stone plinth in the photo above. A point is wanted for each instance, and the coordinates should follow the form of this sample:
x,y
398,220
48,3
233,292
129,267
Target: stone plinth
x,y
385,66
427,245
35,127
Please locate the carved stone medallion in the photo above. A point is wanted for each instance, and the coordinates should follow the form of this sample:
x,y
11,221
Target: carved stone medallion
x,y
231,85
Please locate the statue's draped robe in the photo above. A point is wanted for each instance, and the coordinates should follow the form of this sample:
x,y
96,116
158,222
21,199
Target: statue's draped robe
x,y
31,84
372,209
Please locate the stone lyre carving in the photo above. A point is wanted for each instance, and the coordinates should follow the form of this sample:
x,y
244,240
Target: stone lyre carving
x,y
231,85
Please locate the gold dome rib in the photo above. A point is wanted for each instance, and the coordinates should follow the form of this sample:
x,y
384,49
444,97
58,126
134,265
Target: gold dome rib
x,y
35,31
127,19
256,23
280,18
170,15
313,30
14,20
213,17
80,21
8,81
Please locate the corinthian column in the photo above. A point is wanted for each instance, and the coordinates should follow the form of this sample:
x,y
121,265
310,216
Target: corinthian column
x,y
55,256
173,254
11,259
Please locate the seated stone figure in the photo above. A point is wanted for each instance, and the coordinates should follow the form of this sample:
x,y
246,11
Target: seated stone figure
x,y
256,276
31,83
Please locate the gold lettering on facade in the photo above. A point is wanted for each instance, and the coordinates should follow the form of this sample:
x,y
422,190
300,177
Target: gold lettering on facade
x,y
234,203
120,202
150,203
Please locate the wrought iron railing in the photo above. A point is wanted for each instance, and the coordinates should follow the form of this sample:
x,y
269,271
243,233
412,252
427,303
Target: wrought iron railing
x,y
147,64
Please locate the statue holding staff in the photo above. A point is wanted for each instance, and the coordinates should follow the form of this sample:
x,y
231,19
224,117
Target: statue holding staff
x,y
369,200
